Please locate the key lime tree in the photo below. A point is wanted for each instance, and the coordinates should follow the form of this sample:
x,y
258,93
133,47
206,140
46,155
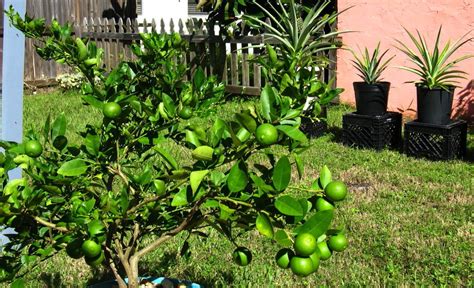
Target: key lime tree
x,y
125,188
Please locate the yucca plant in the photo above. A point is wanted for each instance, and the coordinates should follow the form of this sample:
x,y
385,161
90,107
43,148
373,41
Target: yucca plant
x,y
300,38
370,65
434,67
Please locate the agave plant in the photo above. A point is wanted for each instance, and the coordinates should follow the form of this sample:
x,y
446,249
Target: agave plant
x,y
299,38
434,67
370,65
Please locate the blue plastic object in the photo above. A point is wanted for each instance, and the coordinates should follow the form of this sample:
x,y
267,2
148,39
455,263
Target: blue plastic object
x,y
154,280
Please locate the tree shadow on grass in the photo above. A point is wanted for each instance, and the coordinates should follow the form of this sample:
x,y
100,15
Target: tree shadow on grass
x,y
167,264
52,280
164,266
336,134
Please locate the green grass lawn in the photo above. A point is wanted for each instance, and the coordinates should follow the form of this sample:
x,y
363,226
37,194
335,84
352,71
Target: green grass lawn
x,y
409,221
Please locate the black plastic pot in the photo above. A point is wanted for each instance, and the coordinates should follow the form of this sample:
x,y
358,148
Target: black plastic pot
x,y
434,105
371,99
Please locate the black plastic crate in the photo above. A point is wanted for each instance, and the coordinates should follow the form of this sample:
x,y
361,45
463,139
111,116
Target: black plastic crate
x,y
313,129
437,142
375,132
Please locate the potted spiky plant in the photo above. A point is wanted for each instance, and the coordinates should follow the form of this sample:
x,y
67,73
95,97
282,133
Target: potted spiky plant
x,y
438,75
371,94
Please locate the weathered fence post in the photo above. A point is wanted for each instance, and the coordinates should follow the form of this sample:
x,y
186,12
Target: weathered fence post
x,y
11,93
12,79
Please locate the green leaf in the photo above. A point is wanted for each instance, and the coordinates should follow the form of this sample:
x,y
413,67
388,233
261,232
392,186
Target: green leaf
x,y
217,131
282,238
167,157
123,202
299,165
217,178
264,225
73,168
325,176
290,206
199,78
47,127
91,100
193,138
247,121
59,126
27,259
281,174
225,212
316,185
145,177
169,104
95,227
136,105
267,100
318,224
196,179
60,142
92,143
18,283
237,179
293,132
181,198
261,185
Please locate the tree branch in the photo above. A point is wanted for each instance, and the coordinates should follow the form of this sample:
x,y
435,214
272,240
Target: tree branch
x,y
50,225
131,247
122,176
121,282
170,234
123,260
144,202
154,198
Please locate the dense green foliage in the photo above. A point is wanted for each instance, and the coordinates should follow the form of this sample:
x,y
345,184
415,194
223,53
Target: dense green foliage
x,y
119,192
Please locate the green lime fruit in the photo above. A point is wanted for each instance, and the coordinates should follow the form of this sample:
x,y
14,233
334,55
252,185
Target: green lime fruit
x,y
305,244
242,256
112,110
315,258
283,257
323,204
97,260
74,250
186,112
324,252
338,243
266,134
91,249
301,266
33,148
336,191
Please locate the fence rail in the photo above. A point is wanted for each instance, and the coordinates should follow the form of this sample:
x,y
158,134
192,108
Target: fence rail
x,y
229,59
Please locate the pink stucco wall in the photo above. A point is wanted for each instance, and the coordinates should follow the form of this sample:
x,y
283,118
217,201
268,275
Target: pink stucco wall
x,y
382,20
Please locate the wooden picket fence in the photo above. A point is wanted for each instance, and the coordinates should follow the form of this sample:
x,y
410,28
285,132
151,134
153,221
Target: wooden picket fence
x,y
228,59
